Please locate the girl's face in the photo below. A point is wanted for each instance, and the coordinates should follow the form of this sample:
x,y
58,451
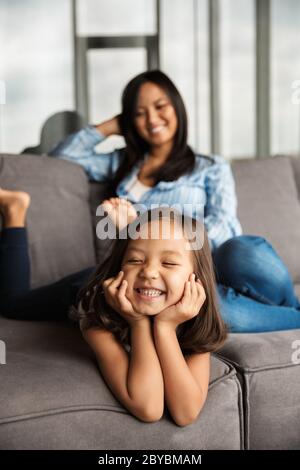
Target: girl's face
x,y
155,117
156,269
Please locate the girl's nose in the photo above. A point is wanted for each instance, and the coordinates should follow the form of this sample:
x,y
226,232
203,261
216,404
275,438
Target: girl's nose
x,y
149,272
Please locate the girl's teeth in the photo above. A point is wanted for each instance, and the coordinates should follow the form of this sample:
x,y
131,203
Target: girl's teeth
x,y
150,293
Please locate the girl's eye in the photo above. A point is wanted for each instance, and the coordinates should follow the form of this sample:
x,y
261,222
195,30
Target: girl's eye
x,y
139,261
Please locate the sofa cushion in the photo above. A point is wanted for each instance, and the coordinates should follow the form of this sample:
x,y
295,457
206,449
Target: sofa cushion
x,y
55,398
59,221
268,205
295,161
269,366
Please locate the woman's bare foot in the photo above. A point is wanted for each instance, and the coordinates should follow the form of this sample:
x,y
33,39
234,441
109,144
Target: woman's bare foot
x,y
13,206
121,211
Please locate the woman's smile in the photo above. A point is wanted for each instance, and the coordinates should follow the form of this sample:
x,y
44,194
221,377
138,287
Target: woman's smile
x,y
158,129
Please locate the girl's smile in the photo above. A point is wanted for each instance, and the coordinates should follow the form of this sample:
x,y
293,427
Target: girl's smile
x,y
149,295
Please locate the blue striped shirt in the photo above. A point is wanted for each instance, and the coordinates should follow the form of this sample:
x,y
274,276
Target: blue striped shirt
x,y
208,193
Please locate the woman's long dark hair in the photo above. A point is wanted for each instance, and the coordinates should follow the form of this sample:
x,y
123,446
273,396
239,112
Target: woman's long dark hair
x,y
206,332
181,159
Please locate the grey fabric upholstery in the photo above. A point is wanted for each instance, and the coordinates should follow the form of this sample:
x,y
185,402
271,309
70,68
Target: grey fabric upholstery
x,y
54,398
296,169
268,206
271,383
59,222
52,393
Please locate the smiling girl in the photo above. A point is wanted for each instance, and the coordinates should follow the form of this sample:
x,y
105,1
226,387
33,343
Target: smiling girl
x,y
150,315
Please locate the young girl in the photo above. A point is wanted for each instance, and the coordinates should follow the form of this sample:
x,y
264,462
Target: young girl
x,y
150,315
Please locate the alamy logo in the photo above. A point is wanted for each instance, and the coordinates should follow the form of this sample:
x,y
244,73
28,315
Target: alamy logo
x,y
296,92
296,354
193,231
2,352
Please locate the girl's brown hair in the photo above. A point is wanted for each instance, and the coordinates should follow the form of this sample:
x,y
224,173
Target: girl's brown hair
x,y
206,332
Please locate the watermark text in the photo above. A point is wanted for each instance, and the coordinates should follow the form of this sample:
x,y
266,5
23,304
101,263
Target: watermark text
x,y
2,352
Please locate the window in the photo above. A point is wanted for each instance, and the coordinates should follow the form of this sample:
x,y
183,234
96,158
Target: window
x,y
184,57
109,70
36,66
237,78
115,17
285,70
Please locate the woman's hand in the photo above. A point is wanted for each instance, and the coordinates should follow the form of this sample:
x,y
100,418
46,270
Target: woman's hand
x,y
121,211
110,127
115,294
188,306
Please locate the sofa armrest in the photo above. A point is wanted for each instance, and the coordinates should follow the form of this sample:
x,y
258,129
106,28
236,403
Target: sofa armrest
x,y
256,351
268,366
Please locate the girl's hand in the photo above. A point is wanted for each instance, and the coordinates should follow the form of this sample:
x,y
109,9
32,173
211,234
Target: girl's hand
x,y
121,211
188,306
114,289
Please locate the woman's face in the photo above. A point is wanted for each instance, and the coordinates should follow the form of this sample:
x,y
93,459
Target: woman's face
x,y
156,269
155,117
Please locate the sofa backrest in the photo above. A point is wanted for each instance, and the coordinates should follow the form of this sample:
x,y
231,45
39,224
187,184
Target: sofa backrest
x,y
268,204
62,232
59,220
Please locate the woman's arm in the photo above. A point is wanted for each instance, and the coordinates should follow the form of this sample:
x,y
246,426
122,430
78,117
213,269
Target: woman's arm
x,y
135,380
109,127
220,217
185,381
79,148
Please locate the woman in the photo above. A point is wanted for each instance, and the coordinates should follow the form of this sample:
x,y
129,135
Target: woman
x,y
158,167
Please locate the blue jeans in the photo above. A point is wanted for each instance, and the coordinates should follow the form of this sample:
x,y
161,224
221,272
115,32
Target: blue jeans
x,y
255,289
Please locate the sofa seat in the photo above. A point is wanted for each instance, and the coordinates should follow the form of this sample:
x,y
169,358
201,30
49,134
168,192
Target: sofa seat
x,y
57,399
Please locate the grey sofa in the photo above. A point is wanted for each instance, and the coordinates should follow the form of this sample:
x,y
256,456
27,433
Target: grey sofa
x,y
52,395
